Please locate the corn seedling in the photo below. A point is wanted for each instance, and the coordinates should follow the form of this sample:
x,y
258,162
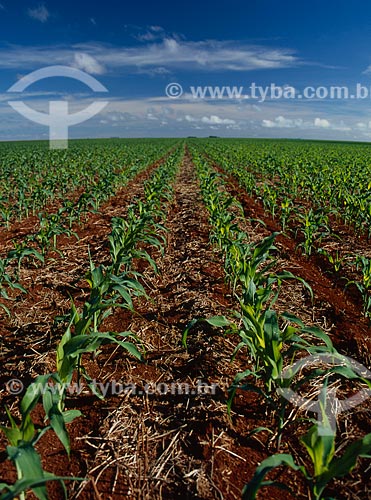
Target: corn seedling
x,y
24,436
50,227
314,228
364,286
319,443
6,281
334,259
286,210
269,196
6,212
20,251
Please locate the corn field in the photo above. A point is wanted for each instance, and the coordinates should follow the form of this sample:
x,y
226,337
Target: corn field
x,y
158,300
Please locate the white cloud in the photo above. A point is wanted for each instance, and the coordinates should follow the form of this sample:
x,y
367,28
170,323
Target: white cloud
x,y
308,124
2,6
190,118
216,120
341,126
211,120
87,63
152,116
156,29
268,123
282,122
321,122
151,34
361,125
39,13
209,55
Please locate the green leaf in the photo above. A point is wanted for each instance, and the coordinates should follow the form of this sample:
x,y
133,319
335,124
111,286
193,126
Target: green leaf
x,y
345,464
292,319
128,346
57,423
28,463
12,435
284,275
70,415
33,393
318,333
250,490
190,325
51,402
22,485
321,448
3,306
218,321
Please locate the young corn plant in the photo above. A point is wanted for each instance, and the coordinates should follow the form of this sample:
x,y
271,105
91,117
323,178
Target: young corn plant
x,y
314,227
6,212
334,259
286,210
268,344
7,282
138,228
80,338
70,212
269,196
319,442
23,438
107,291
364,286
21,251
50,227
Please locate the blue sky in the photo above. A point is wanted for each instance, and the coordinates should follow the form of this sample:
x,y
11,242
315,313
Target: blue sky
x,y
137,49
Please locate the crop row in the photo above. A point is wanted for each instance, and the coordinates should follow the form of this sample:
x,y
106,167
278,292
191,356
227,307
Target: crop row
x,y
275,342
332,177
37,245
32,176
309,188
112,285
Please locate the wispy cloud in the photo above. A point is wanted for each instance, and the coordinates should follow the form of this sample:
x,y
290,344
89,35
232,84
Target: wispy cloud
x,y
87,63
207,55
298,123
151,34
170,54
2,7
209,120
40,13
